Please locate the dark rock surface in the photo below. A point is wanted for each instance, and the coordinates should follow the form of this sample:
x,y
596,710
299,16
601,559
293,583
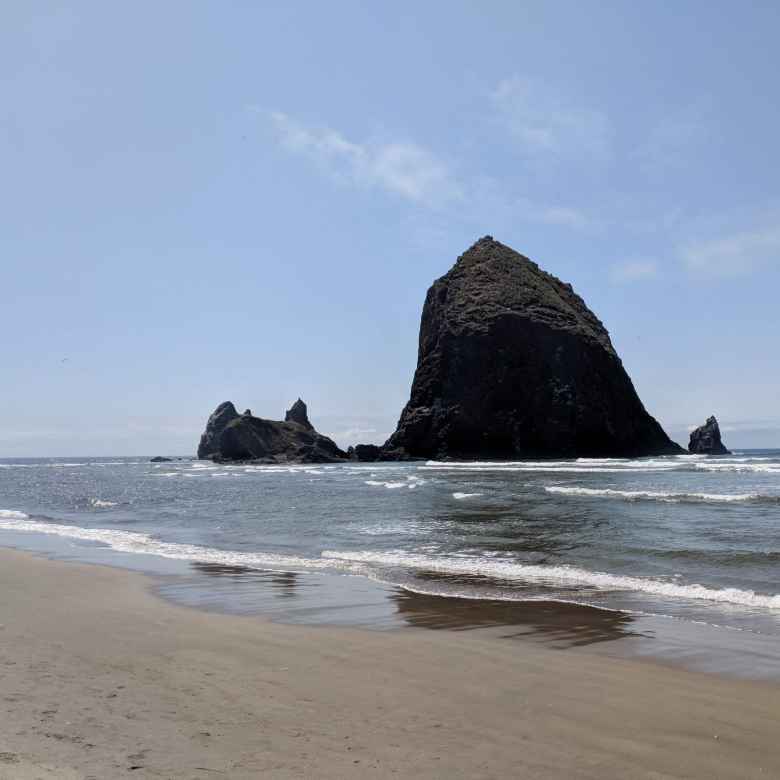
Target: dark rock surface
x,y
513,364
298,413
224,414
230,436
160,459
365,452
705,440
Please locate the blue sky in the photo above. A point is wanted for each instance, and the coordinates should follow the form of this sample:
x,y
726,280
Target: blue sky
x,y
208,201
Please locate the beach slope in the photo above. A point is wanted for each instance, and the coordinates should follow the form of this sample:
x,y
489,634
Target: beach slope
x,y
100,678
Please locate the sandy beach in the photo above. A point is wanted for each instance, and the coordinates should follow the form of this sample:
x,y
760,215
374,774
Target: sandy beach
x,y
101,678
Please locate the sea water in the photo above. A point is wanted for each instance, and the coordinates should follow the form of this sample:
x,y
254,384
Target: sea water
x,y
692,537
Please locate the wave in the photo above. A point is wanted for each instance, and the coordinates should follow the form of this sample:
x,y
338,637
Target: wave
x,y
366,562
100,504
651,495
461,496
141,543
677,463
566,576
754,468
571,468
411,482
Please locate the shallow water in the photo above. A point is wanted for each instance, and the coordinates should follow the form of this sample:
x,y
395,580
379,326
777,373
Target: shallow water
x,y
690,537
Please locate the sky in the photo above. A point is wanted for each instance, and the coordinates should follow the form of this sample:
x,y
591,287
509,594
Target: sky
x,y
203,201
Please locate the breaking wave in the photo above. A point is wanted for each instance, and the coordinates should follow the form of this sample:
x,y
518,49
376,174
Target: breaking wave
x,y
98,503
141,543
378,564
652,495
566,576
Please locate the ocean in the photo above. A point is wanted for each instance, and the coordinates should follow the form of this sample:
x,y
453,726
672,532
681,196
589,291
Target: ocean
x,y
690,537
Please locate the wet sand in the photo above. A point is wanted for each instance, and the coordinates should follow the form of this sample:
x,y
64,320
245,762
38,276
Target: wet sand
x,y
101,678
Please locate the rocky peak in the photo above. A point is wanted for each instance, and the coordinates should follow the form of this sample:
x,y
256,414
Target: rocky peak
x,y
512,363
705,440
233,437
224,414
298,413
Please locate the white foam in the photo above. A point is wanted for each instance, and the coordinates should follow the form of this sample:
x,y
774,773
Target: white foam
x,y
134,542
755,468
364,562
618,463
461,496
633,495
602,460
10,514
100,504
572,468
566,576
388,485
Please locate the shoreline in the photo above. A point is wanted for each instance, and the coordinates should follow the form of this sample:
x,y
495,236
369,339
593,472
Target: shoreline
x,y
103,678
357,601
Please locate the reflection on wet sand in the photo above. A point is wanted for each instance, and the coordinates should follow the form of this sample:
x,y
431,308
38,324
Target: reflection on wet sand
x,y
335,600
321,599
280,583
564,625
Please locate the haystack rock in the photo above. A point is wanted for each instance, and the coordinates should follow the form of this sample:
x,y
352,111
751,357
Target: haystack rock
x,y
705,440
513,364
230,436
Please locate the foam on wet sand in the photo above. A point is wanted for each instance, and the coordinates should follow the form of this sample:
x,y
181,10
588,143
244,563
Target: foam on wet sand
x,y
101,678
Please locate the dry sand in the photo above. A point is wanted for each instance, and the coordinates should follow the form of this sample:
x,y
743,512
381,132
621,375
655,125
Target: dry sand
x,y
99,678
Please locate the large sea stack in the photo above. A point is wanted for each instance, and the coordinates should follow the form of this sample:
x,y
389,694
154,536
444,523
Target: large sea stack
x,y
705,440
230,436
513,364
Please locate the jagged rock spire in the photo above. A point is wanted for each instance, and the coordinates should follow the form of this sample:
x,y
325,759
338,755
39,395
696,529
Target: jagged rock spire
x,y
298,413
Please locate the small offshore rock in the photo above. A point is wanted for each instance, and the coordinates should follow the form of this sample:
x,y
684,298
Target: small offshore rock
x,y
160,459
705,440
233,437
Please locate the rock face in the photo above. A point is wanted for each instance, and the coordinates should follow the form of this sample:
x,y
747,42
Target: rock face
x,y
224,414
298,413
513,364
705,440
367,453
230,436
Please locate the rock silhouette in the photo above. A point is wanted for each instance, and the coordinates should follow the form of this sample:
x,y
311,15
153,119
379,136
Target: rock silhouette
x,y
513,364
298,413
233,437
705,440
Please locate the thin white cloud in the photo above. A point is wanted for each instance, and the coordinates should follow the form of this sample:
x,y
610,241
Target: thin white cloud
x,y
546,123
402,168
733,255
634,271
